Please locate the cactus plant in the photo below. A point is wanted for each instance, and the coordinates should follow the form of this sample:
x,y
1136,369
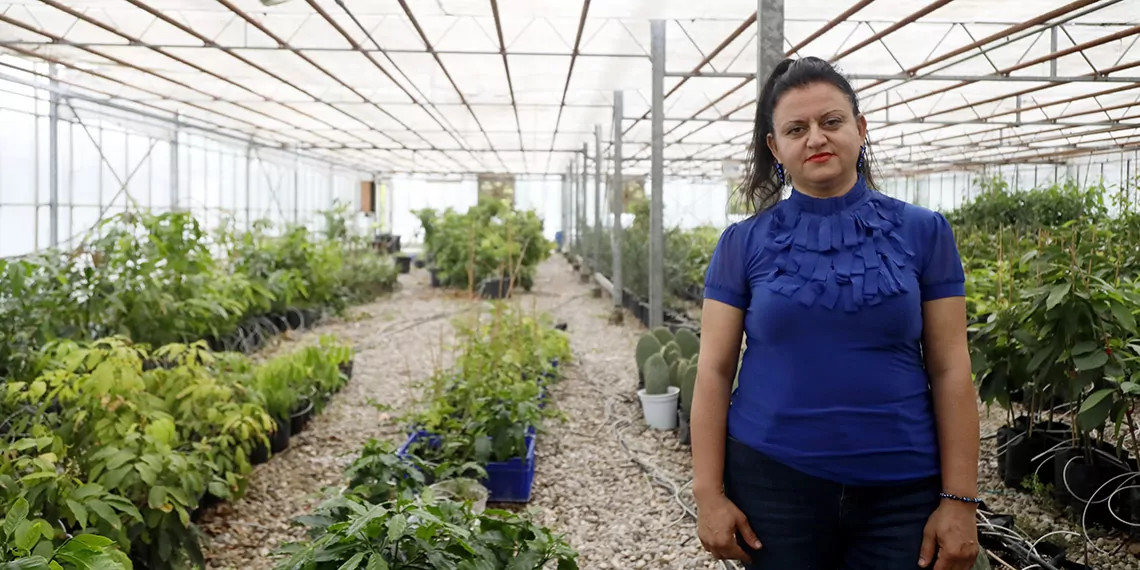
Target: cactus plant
x,y
663,334
688,384
647,346
671,352
656,375
688,342
675,370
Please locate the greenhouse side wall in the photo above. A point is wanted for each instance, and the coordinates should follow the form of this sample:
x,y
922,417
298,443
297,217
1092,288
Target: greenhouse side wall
x,y
109,160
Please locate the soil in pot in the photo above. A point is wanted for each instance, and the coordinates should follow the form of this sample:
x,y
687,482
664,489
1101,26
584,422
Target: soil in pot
x,y
300,416
279,440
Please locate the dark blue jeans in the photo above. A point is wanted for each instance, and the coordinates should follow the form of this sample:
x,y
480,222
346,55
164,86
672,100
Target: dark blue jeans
x,y
808,523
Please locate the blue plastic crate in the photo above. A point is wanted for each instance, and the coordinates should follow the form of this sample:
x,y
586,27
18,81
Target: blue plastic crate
x,y
508,481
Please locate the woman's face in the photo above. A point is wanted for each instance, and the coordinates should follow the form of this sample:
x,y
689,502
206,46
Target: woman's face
x,y
817,138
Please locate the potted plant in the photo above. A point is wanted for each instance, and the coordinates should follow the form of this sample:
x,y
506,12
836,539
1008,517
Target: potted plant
x,y
659,397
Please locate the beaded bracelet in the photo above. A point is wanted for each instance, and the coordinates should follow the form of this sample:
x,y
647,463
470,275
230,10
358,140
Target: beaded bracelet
x,y
957,498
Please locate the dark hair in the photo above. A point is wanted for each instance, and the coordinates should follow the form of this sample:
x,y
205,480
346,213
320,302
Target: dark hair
x,y
761,186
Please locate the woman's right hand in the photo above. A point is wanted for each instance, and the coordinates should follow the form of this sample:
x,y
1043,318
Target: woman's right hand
x,y
718,522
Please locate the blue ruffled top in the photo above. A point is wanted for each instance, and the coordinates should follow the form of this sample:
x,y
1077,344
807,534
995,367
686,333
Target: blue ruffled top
x,y
832,382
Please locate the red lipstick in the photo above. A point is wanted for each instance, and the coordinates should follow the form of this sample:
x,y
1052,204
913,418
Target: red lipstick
x,y
821,157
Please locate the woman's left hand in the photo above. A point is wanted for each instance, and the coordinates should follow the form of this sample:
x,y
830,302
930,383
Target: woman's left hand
x,y
953,531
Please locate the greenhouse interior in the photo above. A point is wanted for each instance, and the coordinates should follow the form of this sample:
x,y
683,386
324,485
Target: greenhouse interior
x,y
420,284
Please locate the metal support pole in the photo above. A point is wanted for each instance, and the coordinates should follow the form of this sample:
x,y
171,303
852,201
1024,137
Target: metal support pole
x,y
597,198
770,42
53,158
657,200
565,212
248,183
617,205
175,176
573,204
583,220
296,187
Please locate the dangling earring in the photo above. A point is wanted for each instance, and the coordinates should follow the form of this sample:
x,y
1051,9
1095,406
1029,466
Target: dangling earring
x,y
862,156
780,174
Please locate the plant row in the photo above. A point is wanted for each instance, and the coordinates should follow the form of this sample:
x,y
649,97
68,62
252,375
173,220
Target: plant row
x,y
471,442
491,247
687,253
667,374
114,448
1053,291
161,279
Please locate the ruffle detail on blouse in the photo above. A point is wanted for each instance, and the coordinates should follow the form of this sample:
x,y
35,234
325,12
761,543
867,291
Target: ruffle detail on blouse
x,y
850,258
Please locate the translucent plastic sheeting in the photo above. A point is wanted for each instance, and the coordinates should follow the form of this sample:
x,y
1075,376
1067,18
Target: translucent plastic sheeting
x,y
110,160
449,86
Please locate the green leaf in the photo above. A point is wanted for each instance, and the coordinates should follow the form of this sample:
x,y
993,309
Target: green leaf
x,y
79,511
1124,316
1085,347
106,513
354,562
567,564
26,535
156,497
377,562
87,491
1095,410
17,514
1130,388
1090,361
397,525
29,563
1057,295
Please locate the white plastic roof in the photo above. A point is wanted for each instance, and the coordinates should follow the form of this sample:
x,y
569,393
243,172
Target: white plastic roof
x,y
445,86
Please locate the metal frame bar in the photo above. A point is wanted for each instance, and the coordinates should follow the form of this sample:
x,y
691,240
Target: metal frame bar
x,y
400,157
657,179
616,207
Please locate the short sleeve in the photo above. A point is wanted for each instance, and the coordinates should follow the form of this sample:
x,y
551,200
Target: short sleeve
x,y
942,274
727,277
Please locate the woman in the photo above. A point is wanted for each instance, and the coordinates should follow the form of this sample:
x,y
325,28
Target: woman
x,y
851,442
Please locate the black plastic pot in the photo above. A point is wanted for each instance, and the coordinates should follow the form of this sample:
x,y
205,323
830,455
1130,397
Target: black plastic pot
x,y
1078,476
1020,446
280,322
346,368
404,263
434,278
260,454
683,427
300,416
419,263
643,313
495,289
295,319
279,440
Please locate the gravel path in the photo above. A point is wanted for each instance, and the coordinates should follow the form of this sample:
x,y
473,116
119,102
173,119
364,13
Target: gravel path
x,y
587,486
396,340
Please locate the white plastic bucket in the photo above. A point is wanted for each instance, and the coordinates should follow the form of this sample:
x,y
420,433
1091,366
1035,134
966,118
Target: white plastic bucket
x,y
660,409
